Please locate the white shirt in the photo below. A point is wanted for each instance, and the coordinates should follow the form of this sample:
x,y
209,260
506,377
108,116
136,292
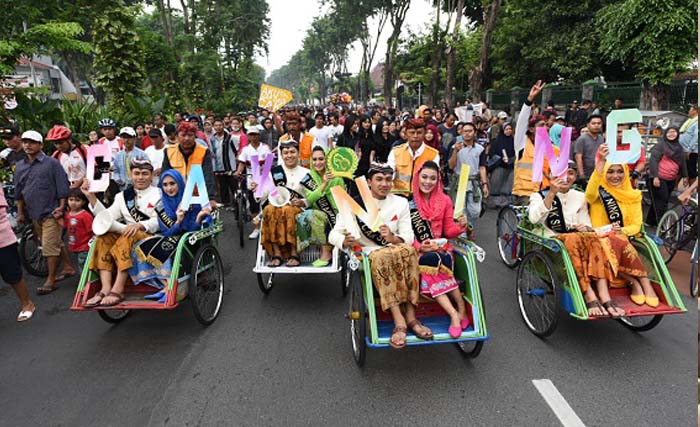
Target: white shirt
x,y
73,164
393,211
336,130
146,201
322,136
155,155
114,144
294,177
573,205
246,155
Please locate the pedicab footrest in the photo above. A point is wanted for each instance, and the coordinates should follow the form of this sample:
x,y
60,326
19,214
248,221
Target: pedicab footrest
x,y
133,299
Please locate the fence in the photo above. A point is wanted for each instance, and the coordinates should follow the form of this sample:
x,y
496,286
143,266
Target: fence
x,y
682,93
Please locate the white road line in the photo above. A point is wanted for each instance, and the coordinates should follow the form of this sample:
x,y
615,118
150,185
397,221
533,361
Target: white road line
x,y
559,405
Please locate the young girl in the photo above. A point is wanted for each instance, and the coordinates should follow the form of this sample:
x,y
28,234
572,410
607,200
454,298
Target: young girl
x,y
78,223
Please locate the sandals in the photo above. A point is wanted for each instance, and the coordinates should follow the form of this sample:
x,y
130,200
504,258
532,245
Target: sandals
x,y
95,304
293,258
596,304
272,263
398,330
119,299
425,335
25,315
320,263
610,304
45,290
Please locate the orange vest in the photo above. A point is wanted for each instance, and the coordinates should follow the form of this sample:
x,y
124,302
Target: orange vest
x,y
177,159
305,147
406,165
522,174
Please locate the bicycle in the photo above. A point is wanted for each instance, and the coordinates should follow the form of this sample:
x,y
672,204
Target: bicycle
x,y
240,206
694,272
677,231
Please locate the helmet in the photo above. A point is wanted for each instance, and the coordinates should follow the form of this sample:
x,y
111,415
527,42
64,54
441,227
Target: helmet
x,y
105,123
58,133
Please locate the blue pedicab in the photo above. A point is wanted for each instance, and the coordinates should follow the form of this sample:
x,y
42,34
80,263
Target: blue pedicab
x,y
371,327
196,265
546,279
266,274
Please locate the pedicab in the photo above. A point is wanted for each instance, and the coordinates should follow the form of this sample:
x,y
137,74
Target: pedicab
x,y
197,267
546,280
371,327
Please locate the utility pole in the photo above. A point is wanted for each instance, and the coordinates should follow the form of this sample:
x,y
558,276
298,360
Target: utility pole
x,y
31,58
420,86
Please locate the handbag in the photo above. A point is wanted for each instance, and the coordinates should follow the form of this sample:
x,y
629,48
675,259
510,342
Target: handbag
x,y
493,162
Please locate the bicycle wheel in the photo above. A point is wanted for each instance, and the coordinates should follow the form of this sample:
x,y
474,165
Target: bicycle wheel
x,y
640,323
358,320
113,316
508,239
30,253
694,272
344,273
537,293
669,231
240,220
206,287
265,282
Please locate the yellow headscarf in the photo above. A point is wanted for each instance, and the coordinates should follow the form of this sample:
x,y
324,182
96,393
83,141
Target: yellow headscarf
x,y
623,193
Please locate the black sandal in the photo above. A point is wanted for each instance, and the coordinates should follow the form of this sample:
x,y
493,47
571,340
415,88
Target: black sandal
x,y
273,259
596,304
293,258
611,304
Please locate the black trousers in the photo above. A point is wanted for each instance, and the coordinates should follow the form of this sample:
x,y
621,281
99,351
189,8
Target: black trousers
x,y
660,196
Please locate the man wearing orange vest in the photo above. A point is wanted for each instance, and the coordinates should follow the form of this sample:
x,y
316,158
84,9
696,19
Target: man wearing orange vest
x,y
406,158
525,151
305,140
185,153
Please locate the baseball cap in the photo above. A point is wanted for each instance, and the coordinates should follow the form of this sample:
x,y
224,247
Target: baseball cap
x,y
7,132
559,118
33,135
575,101
253,129
502,115
127,130
572,165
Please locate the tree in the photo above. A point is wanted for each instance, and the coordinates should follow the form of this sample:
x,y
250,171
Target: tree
x,y
481,74
397,15
118,54
655,41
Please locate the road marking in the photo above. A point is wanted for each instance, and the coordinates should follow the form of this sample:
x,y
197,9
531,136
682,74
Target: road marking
x,y
559,405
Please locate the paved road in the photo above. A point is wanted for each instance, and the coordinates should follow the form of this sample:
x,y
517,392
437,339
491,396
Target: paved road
x,y
285,360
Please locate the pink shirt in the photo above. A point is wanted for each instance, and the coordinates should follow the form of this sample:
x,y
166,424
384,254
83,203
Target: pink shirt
x,y
7,236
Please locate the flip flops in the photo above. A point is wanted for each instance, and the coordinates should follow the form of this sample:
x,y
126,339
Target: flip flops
x,y
45,290
273,259
95,304
119,299
398,330
425,335
294,258
596,304
610,304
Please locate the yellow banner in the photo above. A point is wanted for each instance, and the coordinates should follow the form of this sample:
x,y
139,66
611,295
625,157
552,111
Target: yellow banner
x,y
273,98
461,190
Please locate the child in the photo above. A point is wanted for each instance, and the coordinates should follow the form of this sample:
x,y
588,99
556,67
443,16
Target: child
x,y
78,223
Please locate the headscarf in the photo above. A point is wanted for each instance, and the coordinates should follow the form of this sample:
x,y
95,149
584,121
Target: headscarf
x,y
673,149
171,203
624,193
555,134
435,143
504,142
439,201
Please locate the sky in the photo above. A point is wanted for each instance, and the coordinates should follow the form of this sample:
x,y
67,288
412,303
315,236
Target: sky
x,y
289,21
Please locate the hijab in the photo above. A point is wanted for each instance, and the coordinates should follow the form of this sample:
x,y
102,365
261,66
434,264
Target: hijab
x,y
672,149
171,203
624,193
433,209
435,142
504,142
555,134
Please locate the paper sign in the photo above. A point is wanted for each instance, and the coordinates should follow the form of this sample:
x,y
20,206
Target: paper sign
x,y
99,159
464,115
461,190
348,207
273,98
544,149
195,178
263,181
629,136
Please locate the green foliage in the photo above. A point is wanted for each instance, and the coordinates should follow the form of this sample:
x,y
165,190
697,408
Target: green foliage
x,y
118,55
81,117
36,114
657,39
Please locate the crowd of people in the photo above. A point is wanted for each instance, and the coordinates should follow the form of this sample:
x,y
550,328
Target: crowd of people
x,y
411,160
